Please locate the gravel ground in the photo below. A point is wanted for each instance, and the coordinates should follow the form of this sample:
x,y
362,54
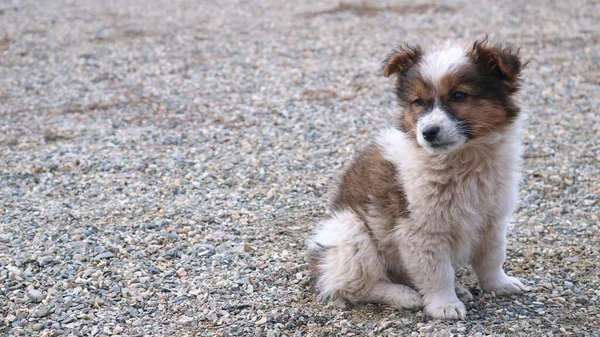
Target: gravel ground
x,y
162,163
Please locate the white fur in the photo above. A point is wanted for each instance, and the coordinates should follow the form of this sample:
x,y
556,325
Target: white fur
x,y
353,276
341,234
449,133
463,222
441,61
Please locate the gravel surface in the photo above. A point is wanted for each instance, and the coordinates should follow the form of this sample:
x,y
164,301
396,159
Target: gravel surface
x,y
162,163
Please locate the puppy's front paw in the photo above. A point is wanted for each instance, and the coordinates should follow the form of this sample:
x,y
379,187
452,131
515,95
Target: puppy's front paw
x,y
446,310
505,285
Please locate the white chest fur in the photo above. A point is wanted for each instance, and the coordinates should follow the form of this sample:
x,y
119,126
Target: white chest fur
x,y
456,194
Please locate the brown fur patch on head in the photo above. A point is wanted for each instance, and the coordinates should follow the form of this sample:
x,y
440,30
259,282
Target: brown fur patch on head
x,y
490,80
502,62
486,109
483,117
401,59
408,123
480,116
408,91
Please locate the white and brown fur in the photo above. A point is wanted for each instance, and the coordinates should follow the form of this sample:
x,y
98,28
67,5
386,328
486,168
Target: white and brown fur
x,y
409,210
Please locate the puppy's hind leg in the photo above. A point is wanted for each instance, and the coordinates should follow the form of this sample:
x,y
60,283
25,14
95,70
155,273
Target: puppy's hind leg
x,y
464,295
343,258
347,266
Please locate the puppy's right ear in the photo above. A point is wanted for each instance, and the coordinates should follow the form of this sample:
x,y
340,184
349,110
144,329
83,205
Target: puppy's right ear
x,y
402,59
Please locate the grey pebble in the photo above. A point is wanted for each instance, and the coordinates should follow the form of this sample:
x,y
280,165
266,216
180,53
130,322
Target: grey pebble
x,y
173,236
45,260
42,311
105,255
35,295
6,237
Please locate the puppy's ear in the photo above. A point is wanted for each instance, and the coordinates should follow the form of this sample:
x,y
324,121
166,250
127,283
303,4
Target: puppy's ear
x,y
500,61
401,59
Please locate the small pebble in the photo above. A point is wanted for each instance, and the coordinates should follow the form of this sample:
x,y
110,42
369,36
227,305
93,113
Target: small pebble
x,y
45,260
42,311
35,295
104,255
181,272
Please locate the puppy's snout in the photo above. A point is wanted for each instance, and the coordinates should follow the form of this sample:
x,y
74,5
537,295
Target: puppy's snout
x,y
430,132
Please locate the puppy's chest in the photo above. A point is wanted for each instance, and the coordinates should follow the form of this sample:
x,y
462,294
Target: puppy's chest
x,y
457,206
456,199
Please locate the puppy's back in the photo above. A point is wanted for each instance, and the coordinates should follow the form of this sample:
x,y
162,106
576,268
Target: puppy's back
x,y
371,185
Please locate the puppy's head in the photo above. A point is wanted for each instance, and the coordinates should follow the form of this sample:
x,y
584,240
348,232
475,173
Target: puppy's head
x,y
452,94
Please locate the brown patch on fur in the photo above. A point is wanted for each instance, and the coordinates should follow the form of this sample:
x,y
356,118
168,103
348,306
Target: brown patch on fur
x,y
500,61
482,112
401,59
370,184
482,116
408,118
408,121
455,82
420,89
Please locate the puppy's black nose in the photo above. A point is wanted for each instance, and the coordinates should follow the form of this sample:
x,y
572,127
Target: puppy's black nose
x,y
429,133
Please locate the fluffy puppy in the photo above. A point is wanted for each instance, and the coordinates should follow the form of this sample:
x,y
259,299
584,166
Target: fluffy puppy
x,y
432,194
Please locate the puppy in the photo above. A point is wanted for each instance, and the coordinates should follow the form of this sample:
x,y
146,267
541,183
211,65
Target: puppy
x,y
435,192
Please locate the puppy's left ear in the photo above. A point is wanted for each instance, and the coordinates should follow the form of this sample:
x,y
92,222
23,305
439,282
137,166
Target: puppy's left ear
x,y
502,62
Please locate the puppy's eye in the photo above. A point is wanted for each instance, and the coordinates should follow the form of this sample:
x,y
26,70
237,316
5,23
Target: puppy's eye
x,y
418,102
458,96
